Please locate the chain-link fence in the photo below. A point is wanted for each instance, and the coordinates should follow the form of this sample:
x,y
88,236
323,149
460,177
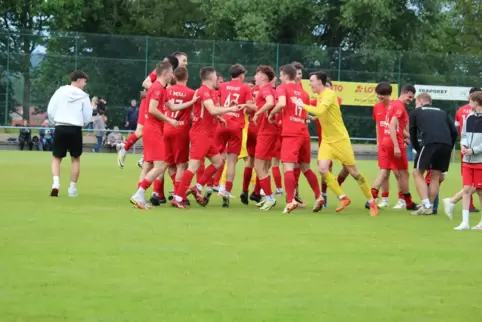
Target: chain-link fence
x,y
33,66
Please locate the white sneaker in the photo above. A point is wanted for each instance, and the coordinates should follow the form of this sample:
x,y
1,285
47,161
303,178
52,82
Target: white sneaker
x,y
422,211
73,193
462,226
401,204
449,208
121,158
140,162
383,204
478,227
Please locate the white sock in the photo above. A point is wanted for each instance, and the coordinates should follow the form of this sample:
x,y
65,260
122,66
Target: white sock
x,y
323,194
465,217
385,199
56,181
279,190
341,197
140,194
222,188
270,198
123,151
178,199
426,203
201,187
73,186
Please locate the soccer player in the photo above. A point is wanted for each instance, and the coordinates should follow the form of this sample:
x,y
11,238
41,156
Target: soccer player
x,y
229,136
205,115
154,154
267,134
69,109
460,117
175,59
471,148
295,144
176,138
335,143
438,134
275,162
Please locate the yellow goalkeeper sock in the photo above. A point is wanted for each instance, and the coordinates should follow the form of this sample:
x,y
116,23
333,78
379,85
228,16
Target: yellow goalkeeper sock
x,y
332,183
253,177
362,182
223,175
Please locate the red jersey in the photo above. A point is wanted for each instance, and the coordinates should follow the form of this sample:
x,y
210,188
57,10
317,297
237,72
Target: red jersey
x,y
395,109
294,118
380,118
203,123
143,112
264,126
461,115
238,92
156,92
180,94
153,76
216,97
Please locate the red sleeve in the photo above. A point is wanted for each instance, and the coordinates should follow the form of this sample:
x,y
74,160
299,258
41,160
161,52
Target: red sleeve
x,y
313,102
153,76
265,92
398,111
374,114
159,94
306,98
280,91
204,95
189,94
339,100
458,119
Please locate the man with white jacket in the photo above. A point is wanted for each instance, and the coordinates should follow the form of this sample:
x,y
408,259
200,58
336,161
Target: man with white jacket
x,y
69,109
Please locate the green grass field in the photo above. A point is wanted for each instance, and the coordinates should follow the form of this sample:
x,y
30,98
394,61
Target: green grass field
x,y
95,258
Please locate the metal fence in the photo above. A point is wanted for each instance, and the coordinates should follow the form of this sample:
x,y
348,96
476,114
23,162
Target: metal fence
x,y
33,66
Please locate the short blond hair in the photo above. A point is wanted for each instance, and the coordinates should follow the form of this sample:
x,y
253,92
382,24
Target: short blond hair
x,y
425,98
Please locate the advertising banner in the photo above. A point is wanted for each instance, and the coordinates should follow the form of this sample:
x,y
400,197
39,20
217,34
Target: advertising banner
x,y
444,93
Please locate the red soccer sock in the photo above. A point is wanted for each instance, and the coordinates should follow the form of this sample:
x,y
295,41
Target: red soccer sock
x,y
139,184
208,174
277,177
408,199
313,181
173,178
400,195
131,140
297,173
248,172
145,184
229,186
385,194
266,185
257,187
217,176
158,187
290,185
471,203
176,188
374,193
200,171
324,188
340,180
184,184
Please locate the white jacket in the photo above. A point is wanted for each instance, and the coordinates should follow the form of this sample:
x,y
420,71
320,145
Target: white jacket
x,y
70,106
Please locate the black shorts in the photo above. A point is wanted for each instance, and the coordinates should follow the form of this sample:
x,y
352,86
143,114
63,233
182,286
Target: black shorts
x,y
435,156
132,126
67,138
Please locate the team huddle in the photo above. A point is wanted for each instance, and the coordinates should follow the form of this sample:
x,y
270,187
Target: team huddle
x,y
266,124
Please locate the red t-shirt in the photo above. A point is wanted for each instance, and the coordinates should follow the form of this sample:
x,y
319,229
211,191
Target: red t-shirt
x,y
153,76
203,123
156,92
254,93
264,126
180,94
380,118
461,115
294,118
143,113
238,92
395,109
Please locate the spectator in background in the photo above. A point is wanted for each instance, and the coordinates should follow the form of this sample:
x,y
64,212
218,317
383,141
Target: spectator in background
x,y
93,104
131,116
102,106
115,139
99,130
46,137
25,137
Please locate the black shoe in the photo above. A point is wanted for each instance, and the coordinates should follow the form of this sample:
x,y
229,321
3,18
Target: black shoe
x,y
367,205
216,189
226,202
472,210
254,197
413,207
170,198
244,198
434,212
186,203
299,200
207,195
162,200
155,200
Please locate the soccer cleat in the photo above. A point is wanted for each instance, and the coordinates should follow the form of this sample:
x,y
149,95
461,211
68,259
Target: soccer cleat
x,y
413,207
462,226
290,207
54,192
177,204
278,194
478,227
140,162
244,197
383,204
226,202
157,201
422,211
140,204
367,205
72,193
254,197
344,202
186,203
268,205
319,204
121,158
261,203
216,189
300,201
374,209
473,210
326,200
207,195
401,204
198,195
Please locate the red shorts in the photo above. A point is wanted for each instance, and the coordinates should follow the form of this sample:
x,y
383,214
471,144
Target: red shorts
x,y
383,160
472,176
266,146
296,149
230,137
461,164
394,162
202,146
176,146
153,146
251,141
277,148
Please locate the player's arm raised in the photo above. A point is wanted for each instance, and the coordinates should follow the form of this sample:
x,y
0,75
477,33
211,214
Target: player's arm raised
x,y
177,107
147,83
153,104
